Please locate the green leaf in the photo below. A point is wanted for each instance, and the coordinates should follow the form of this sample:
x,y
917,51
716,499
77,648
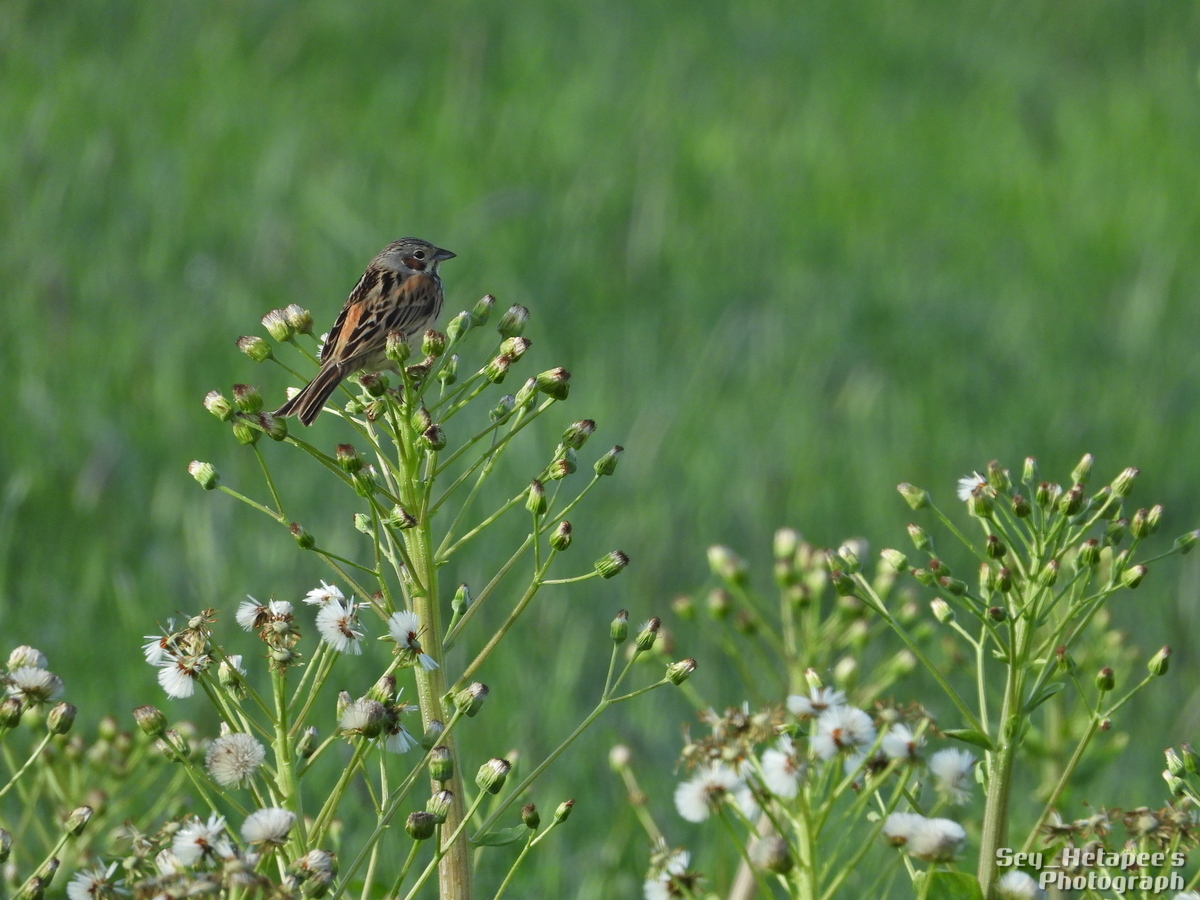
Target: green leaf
x,y
948,886
503,836
971,736
1043,695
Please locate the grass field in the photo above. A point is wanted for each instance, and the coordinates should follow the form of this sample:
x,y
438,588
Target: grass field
x,y
792,253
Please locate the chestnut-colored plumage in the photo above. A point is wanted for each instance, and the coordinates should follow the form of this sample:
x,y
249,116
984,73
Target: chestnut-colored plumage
x,y
401,293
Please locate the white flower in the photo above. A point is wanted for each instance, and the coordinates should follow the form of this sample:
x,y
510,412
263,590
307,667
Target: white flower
x,y
781,769
659,884
842,728
317,865
322,595
363,716
94,884
251,614
178,676
195,839
697,797
30,684
405,628
936,840
815,703
398,740
969,484
268,826
233,758
339,627
27,656
280,609
952,770
899,743
156,649
1021,886
899,827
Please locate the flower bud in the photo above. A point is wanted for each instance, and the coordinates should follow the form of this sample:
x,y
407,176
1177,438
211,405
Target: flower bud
x,y
441,763
495,370
307,744
448,373
1139,526
482,309
941,610
1176,785
1080,473
526,395
1185,542
915,497
987,579
1158,664
607,464
679,672
952,585
619,629
1072,501
401,518
216,403
718,604
1088,555
924,576
784,544
577,434
530,817
555,383
455,329
535,498
842,583
1020,506
979,504
1133,576
513,322
470,699
374,383
771,854
303,539
997,477
275,427
60,719
848,554
462,599
611,563
514,347
1174,762
920,537
420,825
432,438
1064,661
1115,531
383,689
564,463
5,845
247,398
432,734
348,459
433,343
439,805
1047,494
560,537
277,325
1154,517
564,810
255,347
299,318
1029,474
645,638
396,349
150,720
997,613
492,774
1123,483
726,565
204,473
1105,681
1190,760
894,558
77,820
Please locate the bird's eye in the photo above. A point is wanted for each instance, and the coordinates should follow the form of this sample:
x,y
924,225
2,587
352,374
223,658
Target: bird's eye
x,y
420,254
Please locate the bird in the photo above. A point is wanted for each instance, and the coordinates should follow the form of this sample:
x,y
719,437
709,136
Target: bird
x,y
401,293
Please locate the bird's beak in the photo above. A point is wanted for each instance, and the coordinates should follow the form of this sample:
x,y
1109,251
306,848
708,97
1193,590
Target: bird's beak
x,y
441,255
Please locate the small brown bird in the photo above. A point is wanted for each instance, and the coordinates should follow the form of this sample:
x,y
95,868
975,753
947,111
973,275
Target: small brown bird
x,y
400,292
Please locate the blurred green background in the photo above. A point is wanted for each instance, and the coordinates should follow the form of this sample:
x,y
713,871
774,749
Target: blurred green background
x,y
793,254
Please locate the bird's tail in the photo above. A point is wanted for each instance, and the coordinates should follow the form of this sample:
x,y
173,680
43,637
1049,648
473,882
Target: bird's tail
x,y
311,400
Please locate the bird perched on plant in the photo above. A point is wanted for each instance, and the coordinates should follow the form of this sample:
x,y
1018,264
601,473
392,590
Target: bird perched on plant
x,y
400,292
